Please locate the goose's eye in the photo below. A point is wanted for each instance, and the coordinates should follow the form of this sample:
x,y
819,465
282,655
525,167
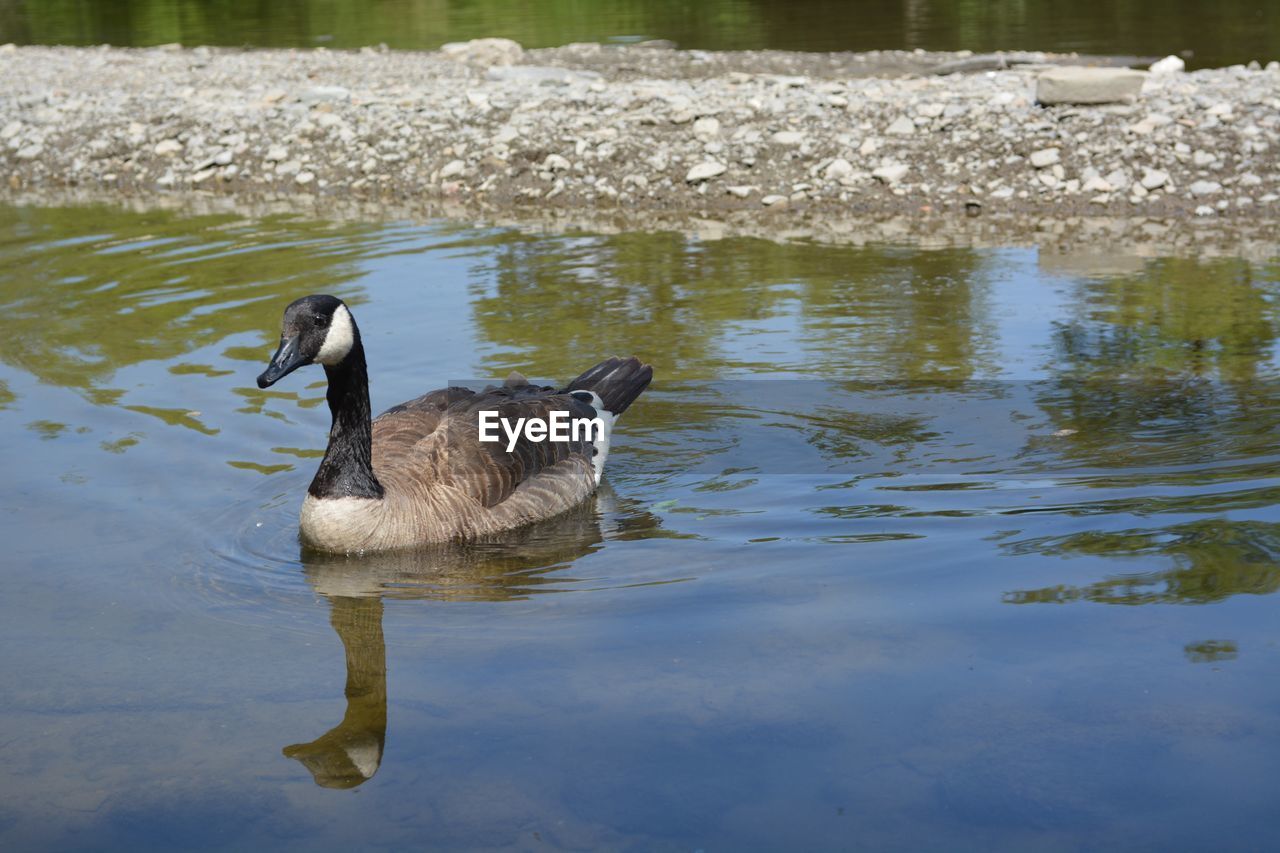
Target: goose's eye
x,y
321,321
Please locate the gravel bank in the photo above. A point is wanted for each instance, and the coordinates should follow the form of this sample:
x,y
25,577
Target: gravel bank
x,y
633,130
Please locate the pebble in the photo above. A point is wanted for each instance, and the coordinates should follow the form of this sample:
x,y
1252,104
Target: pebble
x,y
837,169
704,172
891,174
168,147
1044,157
1154,179
706,128
555,163
788,138
453,168
902,126
771,200
1205,188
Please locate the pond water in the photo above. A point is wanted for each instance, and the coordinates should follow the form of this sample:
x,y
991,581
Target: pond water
x,y
1207,32
902,545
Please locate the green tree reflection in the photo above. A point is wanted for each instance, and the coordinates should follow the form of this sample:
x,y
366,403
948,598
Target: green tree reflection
x,y
1212,560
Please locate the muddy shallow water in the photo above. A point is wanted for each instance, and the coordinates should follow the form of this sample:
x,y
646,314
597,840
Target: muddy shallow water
x,y
902,545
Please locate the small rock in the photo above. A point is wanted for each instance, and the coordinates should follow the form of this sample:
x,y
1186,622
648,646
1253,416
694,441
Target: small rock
x,y
1118,179
304,178
771,200
1154,179
1205,188
168,147
837,169
741,190
487,51
1202,158
1097,185
453,169
706,128
890,174
316,94
1204,210
704,172
1249,179
277,154
1168,65
1044,157
555,163
902,126
788,138
30,152
11,129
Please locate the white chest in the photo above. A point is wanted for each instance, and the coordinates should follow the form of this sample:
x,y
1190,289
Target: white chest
x,y
339,524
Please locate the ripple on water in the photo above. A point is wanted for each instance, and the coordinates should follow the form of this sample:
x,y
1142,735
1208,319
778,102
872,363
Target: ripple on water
x,y
253,569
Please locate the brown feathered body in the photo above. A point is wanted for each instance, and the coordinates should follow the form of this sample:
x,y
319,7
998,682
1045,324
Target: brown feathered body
x,y
442,483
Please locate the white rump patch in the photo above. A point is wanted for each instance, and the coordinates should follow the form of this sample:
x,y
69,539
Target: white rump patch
x,y
607,418
338,340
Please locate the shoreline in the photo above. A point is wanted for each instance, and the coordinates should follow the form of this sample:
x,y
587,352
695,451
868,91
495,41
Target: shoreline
x,y
758,140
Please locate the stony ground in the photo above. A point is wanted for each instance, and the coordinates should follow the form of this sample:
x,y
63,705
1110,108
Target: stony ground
x,y
634,130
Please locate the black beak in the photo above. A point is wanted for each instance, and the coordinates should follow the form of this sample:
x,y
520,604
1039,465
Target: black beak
x,y
286,360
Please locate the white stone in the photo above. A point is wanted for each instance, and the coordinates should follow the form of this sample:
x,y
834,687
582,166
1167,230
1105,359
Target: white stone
x,y
704,172
168,147
1154,179
1044,157
1097,185
555,163
706,128
304,178
903,126
741,191
1168,65
1205,188
771,200
453,169
277,154
487,51
891,174
788,137
837,169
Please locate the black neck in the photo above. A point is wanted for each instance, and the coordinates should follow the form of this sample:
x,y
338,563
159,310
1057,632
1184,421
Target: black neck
x,y
347,469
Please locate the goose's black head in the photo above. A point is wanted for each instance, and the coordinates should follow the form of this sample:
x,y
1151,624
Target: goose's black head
x,y
315,330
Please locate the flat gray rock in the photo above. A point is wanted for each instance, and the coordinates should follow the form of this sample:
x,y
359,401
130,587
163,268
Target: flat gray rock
x,y
1089,85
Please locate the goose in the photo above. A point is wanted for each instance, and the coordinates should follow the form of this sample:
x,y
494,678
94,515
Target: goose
x,y
419,473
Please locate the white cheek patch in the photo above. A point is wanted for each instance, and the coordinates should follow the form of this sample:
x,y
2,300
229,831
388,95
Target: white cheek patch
x,y
339,338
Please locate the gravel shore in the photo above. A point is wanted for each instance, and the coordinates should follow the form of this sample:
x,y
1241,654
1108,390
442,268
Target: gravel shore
x,y
637,130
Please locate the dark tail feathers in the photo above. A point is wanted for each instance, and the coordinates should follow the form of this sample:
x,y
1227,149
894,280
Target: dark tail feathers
x,y
618,381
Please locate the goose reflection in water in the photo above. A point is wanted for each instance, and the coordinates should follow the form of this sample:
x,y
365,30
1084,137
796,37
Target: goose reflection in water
x,y
506,568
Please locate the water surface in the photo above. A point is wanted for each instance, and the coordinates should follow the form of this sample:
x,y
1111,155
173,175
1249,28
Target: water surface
x,y
902,546
1208,32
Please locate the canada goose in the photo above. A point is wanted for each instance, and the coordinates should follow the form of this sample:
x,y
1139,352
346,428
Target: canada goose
x,y
419,472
